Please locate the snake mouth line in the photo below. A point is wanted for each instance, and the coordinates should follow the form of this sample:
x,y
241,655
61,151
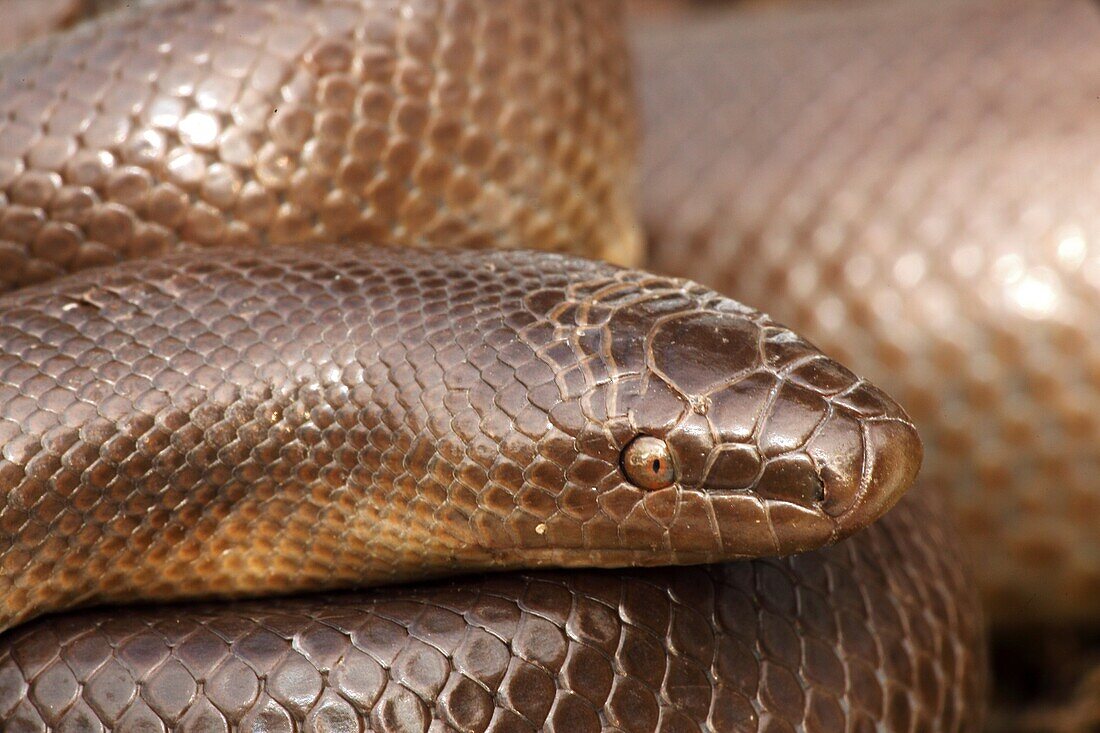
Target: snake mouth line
x,y
614,557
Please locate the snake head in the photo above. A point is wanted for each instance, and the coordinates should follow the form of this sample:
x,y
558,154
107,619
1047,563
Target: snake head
x,y
695,429
773,446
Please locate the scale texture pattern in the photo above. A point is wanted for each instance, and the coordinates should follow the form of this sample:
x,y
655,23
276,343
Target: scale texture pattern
x,y
876,633
256,122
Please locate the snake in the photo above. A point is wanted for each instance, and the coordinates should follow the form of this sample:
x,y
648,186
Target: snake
x,y
333,301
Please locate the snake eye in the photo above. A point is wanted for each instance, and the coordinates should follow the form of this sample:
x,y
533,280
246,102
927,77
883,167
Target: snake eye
x,y
647,463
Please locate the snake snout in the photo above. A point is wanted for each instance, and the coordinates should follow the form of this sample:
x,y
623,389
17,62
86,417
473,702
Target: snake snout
x,y
892,458
866,455
810,449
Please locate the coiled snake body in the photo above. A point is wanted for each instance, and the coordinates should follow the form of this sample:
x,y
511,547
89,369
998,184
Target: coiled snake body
x,y
257,420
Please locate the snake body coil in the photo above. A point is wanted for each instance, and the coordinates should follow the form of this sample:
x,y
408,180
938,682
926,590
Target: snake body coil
x,y
248,123
879,631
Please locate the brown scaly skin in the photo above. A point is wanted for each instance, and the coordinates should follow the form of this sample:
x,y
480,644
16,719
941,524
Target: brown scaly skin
x,y
893,613
238,425
257,122
772,645
914,189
